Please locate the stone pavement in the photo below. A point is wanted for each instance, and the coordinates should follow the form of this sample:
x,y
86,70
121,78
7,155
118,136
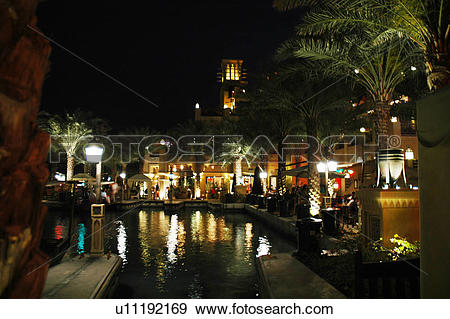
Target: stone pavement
x,y
283,276
83,278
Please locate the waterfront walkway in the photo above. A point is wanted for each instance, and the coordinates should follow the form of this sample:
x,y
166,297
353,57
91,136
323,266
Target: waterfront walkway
x,y
283,276
83,278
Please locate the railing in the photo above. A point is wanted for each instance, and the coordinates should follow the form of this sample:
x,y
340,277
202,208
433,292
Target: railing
x,y
396,279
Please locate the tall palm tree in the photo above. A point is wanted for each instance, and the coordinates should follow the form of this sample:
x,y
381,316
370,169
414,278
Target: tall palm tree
x,y
379,69
299,94
267,113
68,132
424,22
130,136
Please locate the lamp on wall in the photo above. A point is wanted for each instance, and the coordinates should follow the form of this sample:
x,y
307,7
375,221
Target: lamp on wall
x,y
409,154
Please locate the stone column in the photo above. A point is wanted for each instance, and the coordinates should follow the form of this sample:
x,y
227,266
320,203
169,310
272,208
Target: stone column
x,y
433,123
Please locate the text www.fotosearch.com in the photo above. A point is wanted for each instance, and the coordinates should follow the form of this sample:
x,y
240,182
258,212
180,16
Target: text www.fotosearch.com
x,y
245,309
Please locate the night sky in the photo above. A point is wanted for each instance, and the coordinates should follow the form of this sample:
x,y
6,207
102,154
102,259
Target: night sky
x,y
168,51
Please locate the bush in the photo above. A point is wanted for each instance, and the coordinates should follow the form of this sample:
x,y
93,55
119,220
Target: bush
x,y
403,249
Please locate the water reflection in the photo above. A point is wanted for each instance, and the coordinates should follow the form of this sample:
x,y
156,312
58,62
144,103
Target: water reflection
x,y
248,243
121,241
196,226
181,240
194,254
248,235
58,232
212,228
172,239
264,247
81,237
224,231
144,240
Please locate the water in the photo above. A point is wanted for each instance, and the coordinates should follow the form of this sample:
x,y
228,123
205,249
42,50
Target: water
x,y
187,254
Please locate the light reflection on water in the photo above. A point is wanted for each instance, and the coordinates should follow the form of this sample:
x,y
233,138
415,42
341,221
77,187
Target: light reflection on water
x,y
121,241
81,237
195,254
190,254
264,247
172,239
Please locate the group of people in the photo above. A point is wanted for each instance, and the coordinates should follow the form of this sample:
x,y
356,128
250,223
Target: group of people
x,y
350,205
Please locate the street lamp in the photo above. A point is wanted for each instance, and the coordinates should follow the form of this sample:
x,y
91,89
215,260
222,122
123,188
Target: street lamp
x,y
325,167
94,154
171,176
123,175
263,176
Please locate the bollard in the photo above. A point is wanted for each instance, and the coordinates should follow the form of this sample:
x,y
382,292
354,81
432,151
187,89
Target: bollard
x,y
97,235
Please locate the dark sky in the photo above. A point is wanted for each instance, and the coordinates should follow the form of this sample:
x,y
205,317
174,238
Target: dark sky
x,y
168,51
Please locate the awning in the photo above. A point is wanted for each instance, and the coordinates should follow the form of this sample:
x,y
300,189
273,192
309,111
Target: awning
x,y
302,171
139,178
83,177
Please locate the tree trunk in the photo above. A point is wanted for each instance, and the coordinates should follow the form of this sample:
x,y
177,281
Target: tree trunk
x,y
382,123
437,78
313,174
238,171
86,168
281,178
70,167
23,151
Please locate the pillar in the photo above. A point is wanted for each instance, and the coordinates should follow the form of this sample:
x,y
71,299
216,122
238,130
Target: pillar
x,y
433,118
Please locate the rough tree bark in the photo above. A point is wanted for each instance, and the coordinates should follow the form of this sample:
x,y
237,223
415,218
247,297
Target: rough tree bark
x,y
313,174
70,167
23,151
382,123
238,171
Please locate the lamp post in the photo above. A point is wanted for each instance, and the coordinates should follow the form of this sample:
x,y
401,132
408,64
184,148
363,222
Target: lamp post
x,y
123,175
94,154
263,176
171,176
325,167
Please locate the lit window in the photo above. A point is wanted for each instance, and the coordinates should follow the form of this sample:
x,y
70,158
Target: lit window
x,y
232,72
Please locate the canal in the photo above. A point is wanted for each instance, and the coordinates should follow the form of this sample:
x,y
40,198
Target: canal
x,y
184,254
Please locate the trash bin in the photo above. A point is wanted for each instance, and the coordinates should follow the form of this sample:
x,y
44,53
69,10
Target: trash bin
x,y
261,201
282,203
308,234
330,218
271,204
302,211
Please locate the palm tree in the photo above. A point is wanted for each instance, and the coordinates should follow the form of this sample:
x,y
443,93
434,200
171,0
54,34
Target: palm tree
x,y
379,69
425,22
233,153
299,94
68,132
129,137
268,113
